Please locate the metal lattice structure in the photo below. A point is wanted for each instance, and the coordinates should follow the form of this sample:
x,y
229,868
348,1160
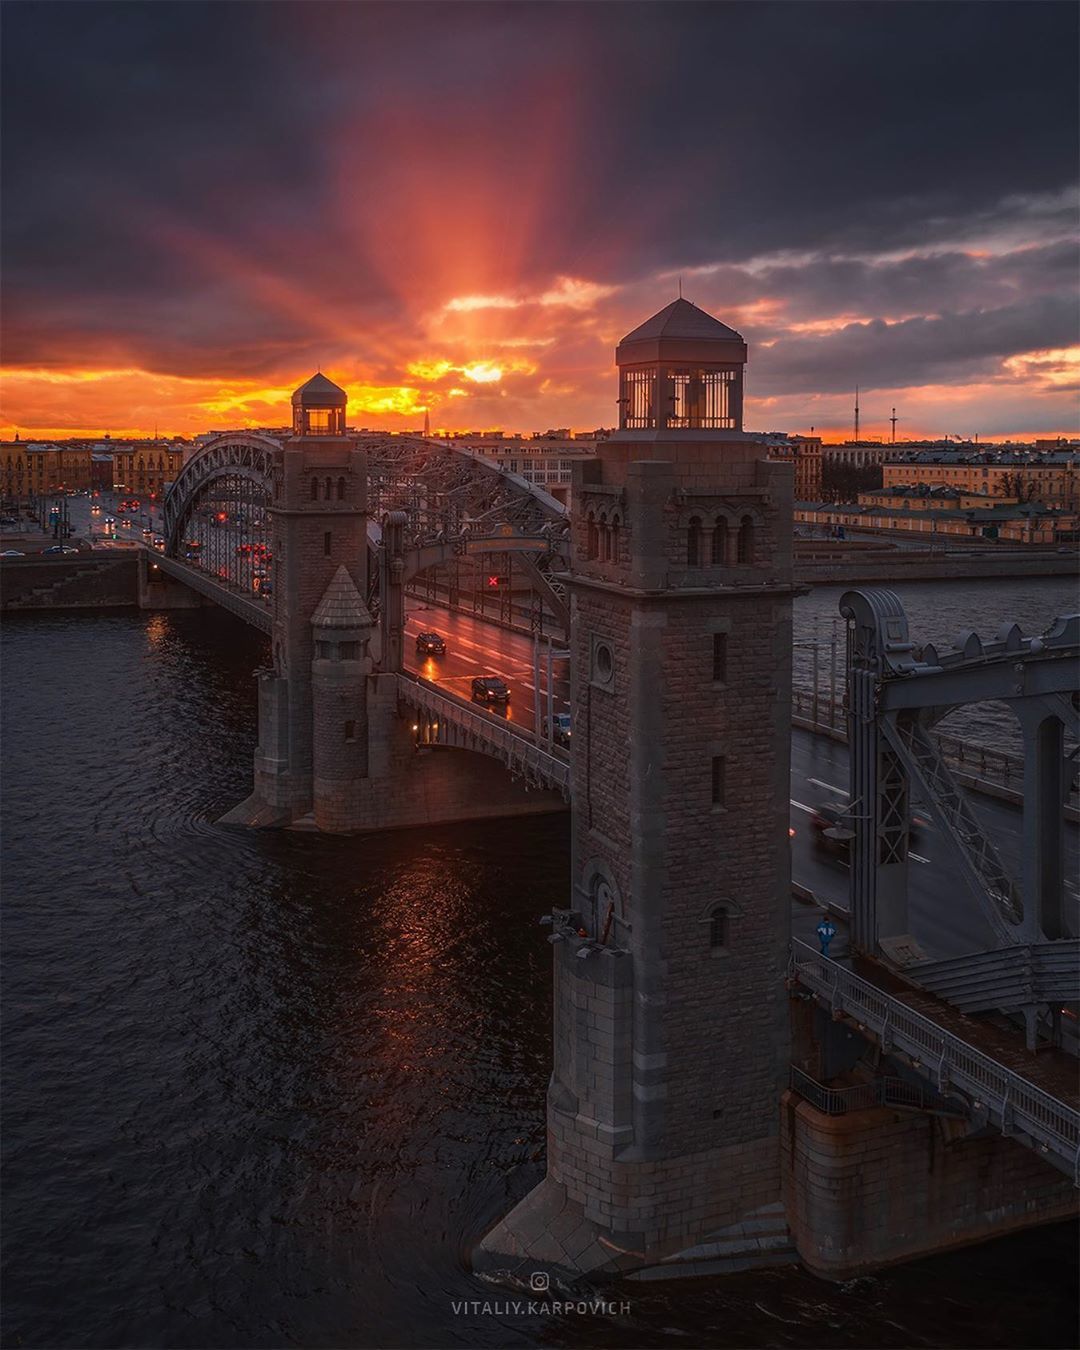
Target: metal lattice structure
x,y
896,694
446,492
217,517
446,502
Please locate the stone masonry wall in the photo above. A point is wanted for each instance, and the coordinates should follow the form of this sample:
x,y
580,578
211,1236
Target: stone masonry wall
x,y
869,1188
408,786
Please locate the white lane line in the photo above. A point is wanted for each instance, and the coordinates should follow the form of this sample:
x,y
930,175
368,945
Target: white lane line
x,y
918,857
840,792
810,810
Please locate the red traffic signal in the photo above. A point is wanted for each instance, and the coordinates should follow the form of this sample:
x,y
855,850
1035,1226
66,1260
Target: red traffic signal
x,y
493,582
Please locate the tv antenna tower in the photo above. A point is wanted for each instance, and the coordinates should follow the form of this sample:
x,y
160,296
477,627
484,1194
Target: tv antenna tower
x,y
856,412
894,419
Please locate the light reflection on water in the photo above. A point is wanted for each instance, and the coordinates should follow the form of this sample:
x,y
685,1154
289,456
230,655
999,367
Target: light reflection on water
x,y
267,1089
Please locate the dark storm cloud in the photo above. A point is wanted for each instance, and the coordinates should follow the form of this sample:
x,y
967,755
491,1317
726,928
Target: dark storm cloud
x,y
187,186
918,351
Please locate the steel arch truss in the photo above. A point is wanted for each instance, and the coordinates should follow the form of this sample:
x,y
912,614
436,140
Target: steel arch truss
x,y
446,493
235,455
217,514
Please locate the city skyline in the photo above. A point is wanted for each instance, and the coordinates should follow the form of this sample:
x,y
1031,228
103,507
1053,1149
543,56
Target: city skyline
x,y
460,210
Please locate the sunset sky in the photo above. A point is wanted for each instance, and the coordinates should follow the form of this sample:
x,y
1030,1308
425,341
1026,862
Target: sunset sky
x,y
462,208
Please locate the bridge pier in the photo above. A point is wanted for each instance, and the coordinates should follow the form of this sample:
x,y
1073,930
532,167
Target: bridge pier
x,y
158,590
875,1187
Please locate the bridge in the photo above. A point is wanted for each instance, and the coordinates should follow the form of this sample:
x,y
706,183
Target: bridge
x,y
681,1000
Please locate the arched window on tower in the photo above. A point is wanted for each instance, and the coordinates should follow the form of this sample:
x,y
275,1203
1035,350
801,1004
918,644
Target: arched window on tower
x,y
745,551
328,494
341,489
693,542
615,538
592,537
314,489
605,538
719,542
719,927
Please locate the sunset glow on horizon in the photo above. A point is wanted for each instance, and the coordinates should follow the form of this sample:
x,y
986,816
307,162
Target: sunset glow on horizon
x,y
467,237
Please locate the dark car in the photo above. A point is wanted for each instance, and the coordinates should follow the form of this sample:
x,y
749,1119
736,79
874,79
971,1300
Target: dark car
x,y
57,549
490,689
430,644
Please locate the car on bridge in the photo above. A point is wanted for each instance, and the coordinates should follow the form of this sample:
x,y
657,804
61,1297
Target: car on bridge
x,y
490,689
12,553
560,728
57,549
430,644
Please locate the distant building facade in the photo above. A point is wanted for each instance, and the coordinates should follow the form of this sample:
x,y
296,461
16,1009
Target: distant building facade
x,y
804,454
1049,477
146,467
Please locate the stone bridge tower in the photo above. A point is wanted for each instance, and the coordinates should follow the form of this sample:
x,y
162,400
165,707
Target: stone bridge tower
x,y
319,546
671,1017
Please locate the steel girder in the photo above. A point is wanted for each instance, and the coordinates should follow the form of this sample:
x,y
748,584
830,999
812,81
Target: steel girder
x,y
896,692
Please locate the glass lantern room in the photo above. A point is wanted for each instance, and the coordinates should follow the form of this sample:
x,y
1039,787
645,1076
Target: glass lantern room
x,y
681,370
319,408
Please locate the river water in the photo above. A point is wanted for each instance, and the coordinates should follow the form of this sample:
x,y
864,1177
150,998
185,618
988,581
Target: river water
x,y
266,1089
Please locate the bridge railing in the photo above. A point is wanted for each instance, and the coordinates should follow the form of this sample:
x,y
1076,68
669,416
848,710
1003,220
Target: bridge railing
x,y
222,592
821,712
453,723
885,1091
1008,1100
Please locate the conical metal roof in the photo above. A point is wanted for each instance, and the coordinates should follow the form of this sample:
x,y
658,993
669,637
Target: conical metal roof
x,y
342,605
681,319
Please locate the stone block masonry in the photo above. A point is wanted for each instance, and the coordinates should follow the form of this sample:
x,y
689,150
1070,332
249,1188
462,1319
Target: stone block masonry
x,y
871,1188
671,1018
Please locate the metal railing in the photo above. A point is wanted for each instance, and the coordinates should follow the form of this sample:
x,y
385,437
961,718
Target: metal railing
x,y
228,596
450,722
1009,1101
885,1091
822,713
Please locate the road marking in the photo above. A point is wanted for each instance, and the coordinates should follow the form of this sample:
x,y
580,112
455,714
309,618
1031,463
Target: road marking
x,y
840,792
810,810
918,857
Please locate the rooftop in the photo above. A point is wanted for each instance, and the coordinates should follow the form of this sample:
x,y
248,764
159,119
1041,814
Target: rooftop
x,y
681,319
320,390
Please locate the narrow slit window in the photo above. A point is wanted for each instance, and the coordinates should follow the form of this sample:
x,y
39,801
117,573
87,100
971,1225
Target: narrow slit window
x,y
326,543
350,731
718,776
719,657
718,927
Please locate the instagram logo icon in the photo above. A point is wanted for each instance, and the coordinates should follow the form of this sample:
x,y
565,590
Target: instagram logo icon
x,y
539,1281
